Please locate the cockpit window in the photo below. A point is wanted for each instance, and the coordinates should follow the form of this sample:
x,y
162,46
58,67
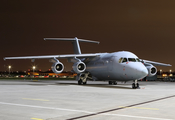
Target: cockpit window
x,y
132,59
120,60
138,60
125,60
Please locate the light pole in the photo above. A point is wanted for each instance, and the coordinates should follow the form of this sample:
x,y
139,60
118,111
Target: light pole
x,y
170,73
33,69
9,69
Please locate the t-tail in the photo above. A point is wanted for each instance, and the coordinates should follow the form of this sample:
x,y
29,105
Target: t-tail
x,y
75,41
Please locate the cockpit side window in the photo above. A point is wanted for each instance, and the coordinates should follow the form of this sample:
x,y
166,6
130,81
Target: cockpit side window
x,y
138,60
132,59
120,60
125,60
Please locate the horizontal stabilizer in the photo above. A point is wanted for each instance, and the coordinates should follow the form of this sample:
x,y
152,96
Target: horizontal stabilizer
x,y
72,39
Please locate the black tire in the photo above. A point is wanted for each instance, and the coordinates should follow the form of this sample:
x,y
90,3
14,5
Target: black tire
x,y
137,85
84,83
114,82
110,82
79,82
133,86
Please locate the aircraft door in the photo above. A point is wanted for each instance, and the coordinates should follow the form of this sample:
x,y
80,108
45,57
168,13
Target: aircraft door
x,y
123,68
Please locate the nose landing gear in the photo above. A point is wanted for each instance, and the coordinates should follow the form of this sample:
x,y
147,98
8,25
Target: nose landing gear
x,y
135,85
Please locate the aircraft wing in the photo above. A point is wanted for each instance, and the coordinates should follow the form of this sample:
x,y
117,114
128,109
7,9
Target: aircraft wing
x,y
54,56
155,63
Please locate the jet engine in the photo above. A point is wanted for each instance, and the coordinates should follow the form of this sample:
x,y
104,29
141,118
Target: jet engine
x,y
57,67
151,70
79,67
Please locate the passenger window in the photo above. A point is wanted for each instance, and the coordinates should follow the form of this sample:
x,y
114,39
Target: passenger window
x,y
120,60
124,60
132,59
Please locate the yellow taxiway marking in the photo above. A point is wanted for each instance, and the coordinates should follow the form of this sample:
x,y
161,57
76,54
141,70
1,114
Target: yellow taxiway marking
x,y
140,108
35,99
36,119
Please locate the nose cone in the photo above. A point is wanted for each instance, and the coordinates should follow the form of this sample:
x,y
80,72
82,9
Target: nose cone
x,y
136,70
142,72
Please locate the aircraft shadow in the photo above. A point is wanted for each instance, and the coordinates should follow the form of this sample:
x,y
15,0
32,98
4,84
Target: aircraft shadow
x,y
97,85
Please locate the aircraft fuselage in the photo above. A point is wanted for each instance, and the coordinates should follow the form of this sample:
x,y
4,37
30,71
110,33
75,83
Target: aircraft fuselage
x,y
109,67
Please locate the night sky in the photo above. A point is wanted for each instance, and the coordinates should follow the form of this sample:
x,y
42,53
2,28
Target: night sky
x,y
144,27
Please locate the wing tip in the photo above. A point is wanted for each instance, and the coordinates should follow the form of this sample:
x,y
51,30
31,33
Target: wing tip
x,y
169,65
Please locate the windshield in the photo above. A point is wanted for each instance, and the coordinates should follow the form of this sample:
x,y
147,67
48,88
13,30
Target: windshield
x,y
123,60
132,59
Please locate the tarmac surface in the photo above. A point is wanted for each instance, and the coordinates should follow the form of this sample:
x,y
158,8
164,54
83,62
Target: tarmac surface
x,y
65,100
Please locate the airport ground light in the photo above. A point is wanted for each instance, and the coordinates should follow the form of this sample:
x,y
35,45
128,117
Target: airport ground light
x,y
161,75
36,74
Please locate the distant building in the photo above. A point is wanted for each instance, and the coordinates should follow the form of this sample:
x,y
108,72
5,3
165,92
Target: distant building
x,y
51,74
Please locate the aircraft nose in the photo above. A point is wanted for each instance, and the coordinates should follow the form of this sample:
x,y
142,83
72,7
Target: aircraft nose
x,y
138,71
144,72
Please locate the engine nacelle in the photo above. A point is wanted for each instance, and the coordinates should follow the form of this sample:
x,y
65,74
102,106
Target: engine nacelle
x,y
151,70
79,67
57,67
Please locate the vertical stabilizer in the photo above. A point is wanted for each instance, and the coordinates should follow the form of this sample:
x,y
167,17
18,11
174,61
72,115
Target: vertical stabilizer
x,y
76,46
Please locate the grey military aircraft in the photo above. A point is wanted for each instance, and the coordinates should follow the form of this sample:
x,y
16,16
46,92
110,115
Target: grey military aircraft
x,y
111,67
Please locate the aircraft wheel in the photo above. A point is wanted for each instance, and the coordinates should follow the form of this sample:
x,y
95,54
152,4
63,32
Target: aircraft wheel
x,y
115,83
79,82
137,85
133,86
110,82
84,83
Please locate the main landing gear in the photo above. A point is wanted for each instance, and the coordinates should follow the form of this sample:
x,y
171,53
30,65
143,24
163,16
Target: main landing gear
x,y
135,85
82,78
81,82
112,83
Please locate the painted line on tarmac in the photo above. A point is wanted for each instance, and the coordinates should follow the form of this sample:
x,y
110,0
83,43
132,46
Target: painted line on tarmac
x,y
119,108
141,117
140,108
80,111
36,119
51,108
35,99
